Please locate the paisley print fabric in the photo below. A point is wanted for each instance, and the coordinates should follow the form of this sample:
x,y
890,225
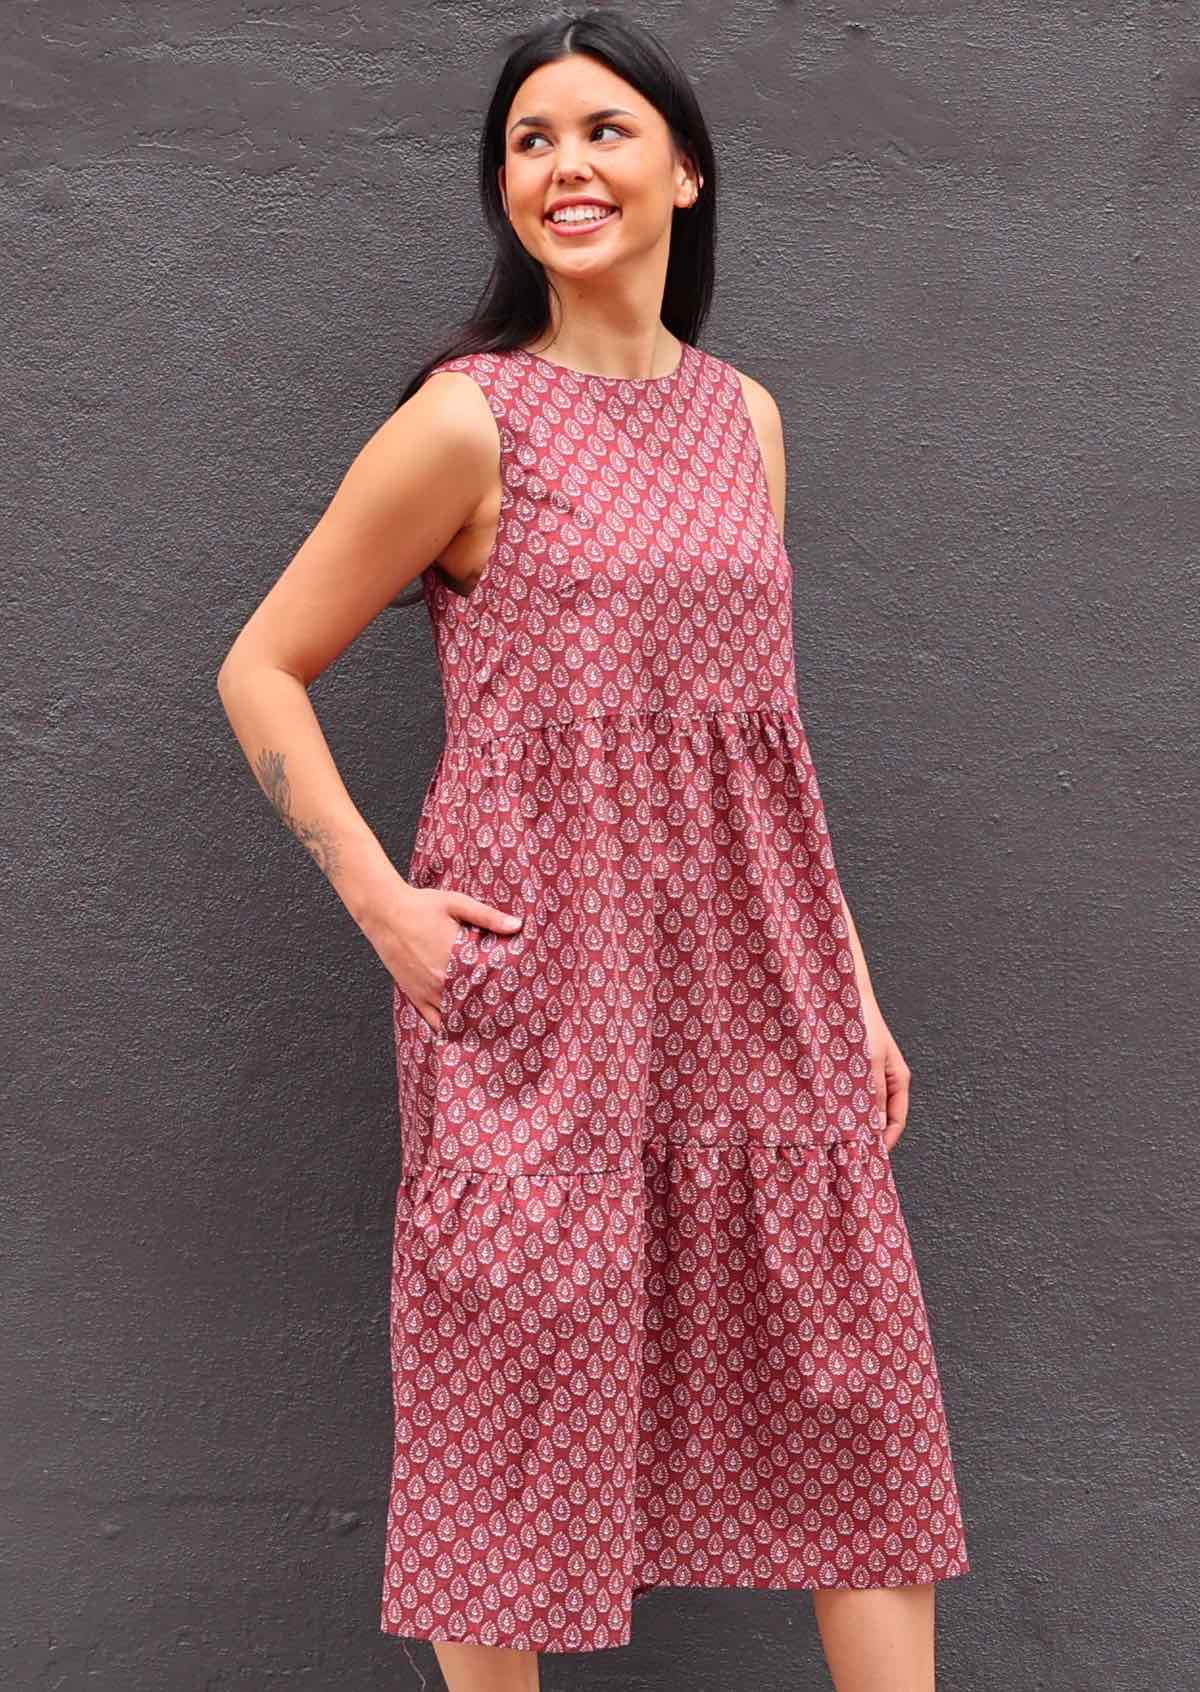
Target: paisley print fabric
x,y
655,1317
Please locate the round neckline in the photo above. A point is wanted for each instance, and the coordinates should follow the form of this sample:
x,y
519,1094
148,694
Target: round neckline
x,y
612,381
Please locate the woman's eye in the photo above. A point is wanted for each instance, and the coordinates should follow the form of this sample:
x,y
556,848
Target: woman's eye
x,y
523,144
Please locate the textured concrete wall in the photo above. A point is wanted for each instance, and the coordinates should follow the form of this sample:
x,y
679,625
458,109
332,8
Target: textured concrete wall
x,y
959,244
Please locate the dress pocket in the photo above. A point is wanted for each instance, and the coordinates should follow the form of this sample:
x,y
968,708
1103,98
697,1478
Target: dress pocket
x,y
485,975
449,997
474,954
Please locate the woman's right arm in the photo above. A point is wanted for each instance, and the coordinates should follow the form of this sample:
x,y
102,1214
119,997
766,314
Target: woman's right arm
x,y
410,489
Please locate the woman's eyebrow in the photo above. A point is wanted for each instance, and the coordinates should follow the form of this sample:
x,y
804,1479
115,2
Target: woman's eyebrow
x,y
589,117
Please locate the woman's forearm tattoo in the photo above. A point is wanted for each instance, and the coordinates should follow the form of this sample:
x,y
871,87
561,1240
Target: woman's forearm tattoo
x,y
313,836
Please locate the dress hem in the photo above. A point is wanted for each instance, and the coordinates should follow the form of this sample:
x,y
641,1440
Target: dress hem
x,y
521,1642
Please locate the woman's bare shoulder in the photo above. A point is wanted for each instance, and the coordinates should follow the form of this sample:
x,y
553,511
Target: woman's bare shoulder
x,y
768,428
761,404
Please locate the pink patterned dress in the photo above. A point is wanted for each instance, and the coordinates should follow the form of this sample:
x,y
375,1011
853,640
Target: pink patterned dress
x,y
655,1316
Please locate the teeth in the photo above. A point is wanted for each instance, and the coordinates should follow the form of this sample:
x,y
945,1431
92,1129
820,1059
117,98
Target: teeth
x,y
591,214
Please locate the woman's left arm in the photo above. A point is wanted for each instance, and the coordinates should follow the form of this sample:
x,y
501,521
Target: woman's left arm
x,y
890,1075
889,1072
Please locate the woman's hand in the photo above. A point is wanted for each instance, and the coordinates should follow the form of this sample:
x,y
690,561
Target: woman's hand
x,y
414,932
890,1075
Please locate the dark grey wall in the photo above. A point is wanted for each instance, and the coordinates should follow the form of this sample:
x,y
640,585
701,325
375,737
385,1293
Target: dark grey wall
x,y
959,244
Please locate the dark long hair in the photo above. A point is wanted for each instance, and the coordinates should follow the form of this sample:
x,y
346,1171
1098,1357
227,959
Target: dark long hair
x,y
515,304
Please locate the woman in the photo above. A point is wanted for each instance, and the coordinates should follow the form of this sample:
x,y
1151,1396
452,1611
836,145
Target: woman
x,y
655,1316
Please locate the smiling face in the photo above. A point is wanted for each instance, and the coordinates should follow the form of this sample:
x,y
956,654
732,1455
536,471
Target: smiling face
x,y
577,132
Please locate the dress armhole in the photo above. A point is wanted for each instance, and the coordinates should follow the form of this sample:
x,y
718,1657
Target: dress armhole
x,y
467,606
754,453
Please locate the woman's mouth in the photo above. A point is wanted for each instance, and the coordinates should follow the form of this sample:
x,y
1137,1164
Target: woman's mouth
x,y
583,225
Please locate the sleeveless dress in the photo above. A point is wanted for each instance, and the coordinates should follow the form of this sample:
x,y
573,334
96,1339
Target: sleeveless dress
x,y
655,1318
